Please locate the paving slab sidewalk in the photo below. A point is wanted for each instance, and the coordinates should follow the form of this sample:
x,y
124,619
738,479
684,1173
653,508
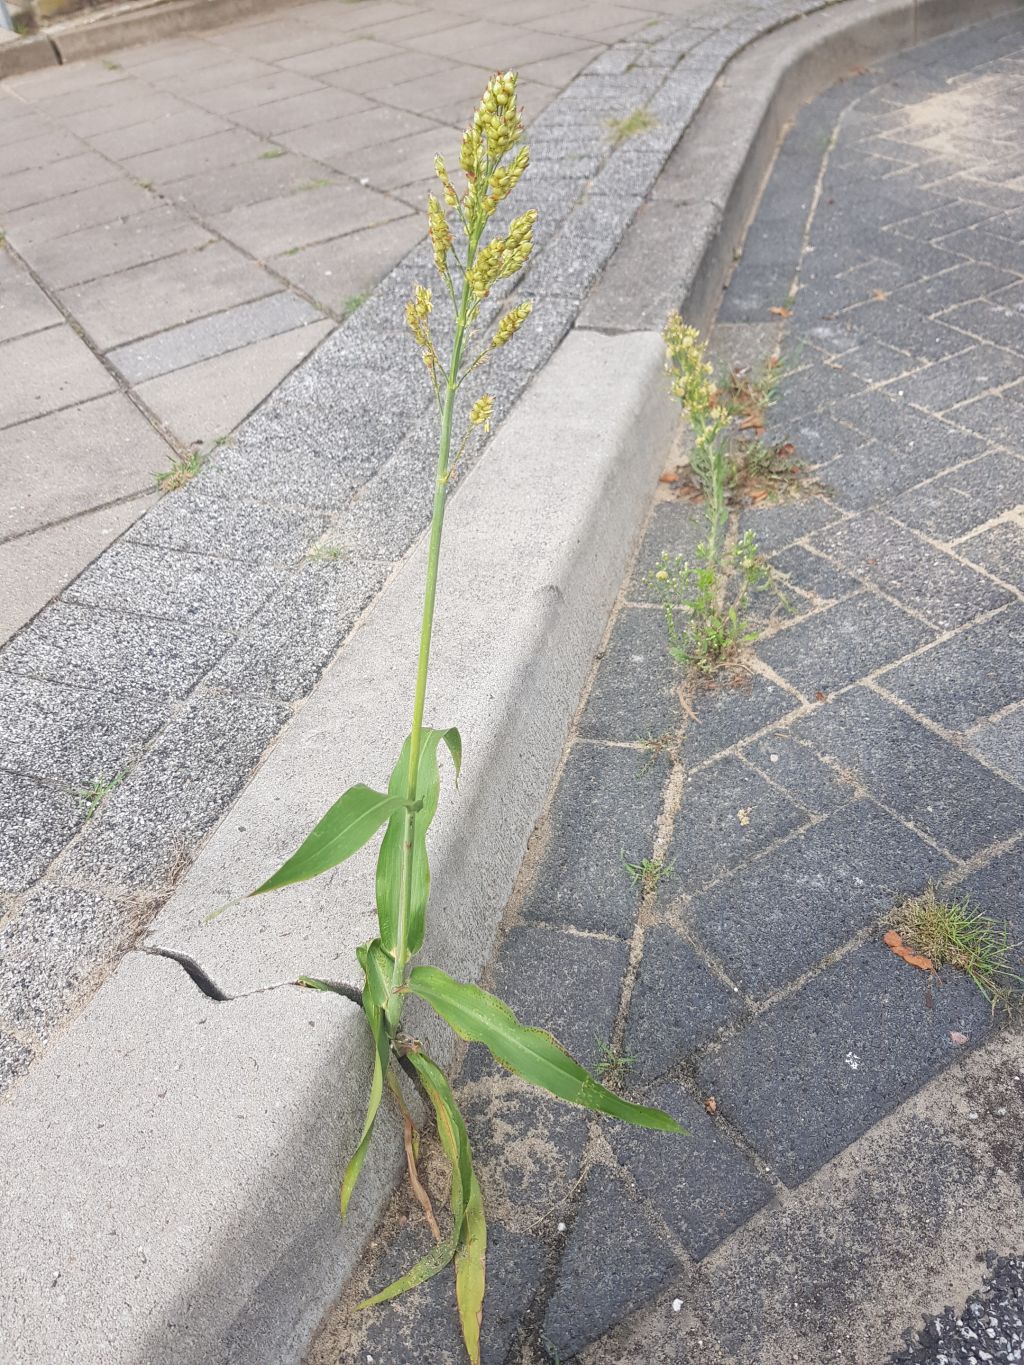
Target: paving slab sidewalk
x,y
183,221
866,746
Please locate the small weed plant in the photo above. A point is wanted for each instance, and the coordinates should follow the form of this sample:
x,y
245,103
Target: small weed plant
x,y
181,472
468,267
705,601
646,873
955,933
93,795
622,129
611,1065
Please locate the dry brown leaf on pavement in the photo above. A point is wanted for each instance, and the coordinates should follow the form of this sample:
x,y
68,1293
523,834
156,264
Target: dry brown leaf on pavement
x,y
781,312
893,941
711,1104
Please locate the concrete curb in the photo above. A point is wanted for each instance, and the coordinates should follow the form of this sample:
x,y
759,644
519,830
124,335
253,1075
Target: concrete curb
x,y
30,53
93,34
109,1257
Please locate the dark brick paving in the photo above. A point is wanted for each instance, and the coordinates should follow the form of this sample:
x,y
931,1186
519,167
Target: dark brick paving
x,y
873,745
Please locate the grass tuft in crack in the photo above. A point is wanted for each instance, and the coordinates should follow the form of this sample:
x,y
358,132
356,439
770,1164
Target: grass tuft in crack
x,y
622,129
92,796
612,1065
646,873
955,933
181,472
469,266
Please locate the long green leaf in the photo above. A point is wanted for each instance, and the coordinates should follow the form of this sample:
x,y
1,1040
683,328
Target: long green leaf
x,y
470,1272
389,861
434,1261
451,1129
529,1052
350,823
373,961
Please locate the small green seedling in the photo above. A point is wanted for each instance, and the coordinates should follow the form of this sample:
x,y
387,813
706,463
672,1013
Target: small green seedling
x,y
646,873
92,795
612,1065
328,554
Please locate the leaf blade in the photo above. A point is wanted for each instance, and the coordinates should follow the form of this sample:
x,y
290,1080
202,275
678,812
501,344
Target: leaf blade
x,y
471,1273
529,1052
389,860
451,1130
374,1000
350,823
431,1264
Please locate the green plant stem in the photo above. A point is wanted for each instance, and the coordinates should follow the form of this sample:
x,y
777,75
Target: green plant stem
x,y
426,630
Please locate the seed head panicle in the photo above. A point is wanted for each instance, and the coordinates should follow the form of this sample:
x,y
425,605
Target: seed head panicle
x,y
440,235
691,374
511,323
417,318
504,179
503,256
481,412
451,197
496,121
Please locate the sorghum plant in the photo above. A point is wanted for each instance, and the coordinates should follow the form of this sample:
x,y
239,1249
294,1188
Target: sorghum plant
x,y
492,159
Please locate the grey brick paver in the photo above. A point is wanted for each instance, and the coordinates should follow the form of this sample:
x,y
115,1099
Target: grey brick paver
x,y
150,298
270,227
701,1199
876,1039
910,769
178,347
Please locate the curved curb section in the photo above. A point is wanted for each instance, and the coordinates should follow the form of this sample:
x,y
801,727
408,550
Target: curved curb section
x,y
169,1186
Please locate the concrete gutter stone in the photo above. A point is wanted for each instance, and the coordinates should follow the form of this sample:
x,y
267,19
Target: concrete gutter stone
x,y
90,37
181,1204
27,54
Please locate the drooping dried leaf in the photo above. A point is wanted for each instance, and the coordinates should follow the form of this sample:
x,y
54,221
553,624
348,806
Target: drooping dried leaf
x,y
895,944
